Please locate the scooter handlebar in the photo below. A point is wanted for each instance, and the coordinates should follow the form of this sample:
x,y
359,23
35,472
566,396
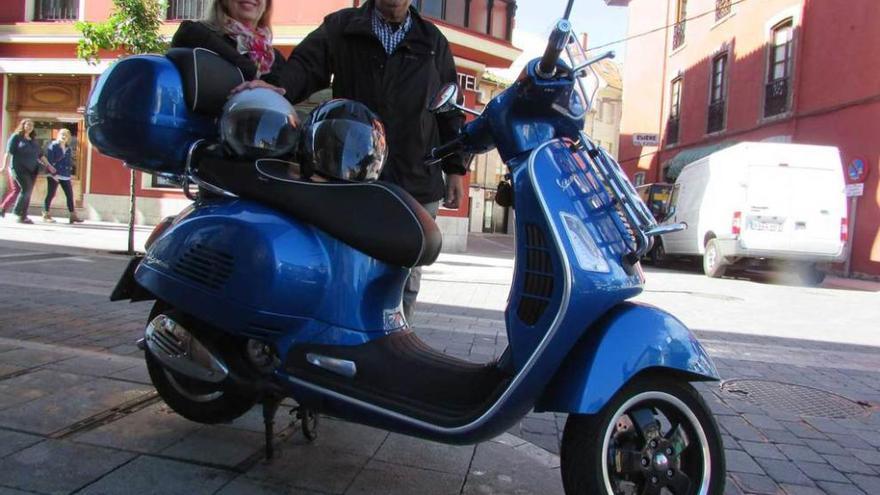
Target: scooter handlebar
x,y
436,155
558,39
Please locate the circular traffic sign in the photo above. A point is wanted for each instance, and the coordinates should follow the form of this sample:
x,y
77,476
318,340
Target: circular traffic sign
x,y
856,170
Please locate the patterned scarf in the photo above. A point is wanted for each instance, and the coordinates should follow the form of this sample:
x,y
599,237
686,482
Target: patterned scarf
x,y
256,43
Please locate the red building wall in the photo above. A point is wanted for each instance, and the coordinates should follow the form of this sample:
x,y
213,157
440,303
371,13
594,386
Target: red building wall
x,y
836,91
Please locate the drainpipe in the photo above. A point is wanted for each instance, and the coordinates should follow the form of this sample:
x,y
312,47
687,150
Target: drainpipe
x,y
660,126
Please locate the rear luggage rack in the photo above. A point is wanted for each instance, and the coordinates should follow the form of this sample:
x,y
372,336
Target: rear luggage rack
x,y
642,225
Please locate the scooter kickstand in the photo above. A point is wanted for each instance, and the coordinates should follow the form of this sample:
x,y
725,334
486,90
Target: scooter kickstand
x,y
270,407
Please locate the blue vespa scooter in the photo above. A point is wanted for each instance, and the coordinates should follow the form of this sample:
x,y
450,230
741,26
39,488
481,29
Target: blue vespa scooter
x,y
261,296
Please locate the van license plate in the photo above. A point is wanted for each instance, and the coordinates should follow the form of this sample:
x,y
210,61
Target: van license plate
x,y
766,226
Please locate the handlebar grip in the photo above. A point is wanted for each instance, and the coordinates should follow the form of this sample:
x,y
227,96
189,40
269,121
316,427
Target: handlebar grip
x,y
558,39
440,152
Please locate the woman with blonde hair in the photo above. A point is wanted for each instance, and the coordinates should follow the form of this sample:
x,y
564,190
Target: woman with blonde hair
x,y
26,158
240,32
60,156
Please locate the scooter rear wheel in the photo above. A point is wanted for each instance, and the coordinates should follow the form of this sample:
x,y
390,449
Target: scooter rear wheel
x,y
195,400
656,436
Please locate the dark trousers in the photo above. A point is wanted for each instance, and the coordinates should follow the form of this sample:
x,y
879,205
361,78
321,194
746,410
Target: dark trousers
x,y
25,180
52,187
414,282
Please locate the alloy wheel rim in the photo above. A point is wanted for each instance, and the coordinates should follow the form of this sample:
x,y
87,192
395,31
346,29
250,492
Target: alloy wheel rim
x,y
710,256
653,400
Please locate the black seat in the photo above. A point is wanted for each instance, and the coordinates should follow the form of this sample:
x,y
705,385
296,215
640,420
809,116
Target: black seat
x,y
377,218
207,78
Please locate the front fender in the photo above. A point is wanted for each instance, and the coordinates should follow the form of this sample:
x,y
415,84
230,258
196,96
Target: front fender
x,y
630,339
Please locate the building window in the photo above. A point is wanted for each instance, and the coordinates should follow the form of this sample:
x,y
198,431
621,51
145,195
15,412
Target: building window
x,y
639,179
160,182
179,10
467,81
680,20
778,90
672,125
717,94
455,12
492,17
433,8
478,16
722,9
56,10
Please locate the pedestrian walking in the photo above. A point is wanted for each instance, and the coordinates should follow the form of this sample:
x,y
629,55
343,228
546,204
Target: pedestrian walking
x,y
11,190
24,157
60,155
388,57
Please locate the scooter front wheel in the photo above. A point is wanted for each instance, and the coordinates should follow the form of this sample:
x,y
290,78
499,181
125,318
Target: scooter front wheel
x,y
656,436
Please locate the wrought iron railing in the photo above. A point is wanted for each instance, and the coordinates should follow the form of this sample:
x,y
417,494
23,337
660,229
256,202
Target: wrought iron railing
x,y
722,9
776,97
672,127
716,117
678,35
179,10
56,10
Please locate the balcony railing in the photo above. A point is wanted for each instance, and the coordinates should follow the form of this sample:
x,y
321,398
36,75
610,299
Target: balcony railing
x,y
722,9
179,10
716,117
672,126
678,35
776,97
56,10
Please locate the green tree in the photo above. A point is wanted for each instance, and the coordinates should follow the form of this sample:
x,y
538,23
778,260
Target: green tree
x,y
132,28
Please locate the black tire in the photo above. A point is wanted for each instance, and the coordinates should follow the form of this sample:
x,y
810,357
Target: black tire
x,y
811,275
658,254
714,264
588,439
195,400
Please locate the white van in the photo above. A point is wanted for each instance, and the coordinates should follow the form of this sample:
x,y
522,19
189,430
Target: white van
x,y
761,205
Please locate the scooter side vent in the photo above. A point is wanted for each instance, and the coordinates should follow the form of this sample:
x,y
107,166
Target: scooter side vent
x,y
205,266
538,282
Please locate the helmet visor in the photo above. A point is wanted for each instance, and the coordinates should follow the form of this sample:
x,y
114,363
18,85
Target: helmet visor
x,y
348,150
257,132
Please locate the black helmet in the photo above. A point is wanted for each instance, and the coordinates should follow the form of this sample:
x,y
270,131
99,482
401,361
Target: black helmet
x,y
344,140
260,123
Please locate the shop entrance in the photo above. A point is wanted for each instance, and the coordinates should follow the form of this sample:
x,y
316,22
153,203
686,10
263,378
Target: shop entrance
x,y
53,103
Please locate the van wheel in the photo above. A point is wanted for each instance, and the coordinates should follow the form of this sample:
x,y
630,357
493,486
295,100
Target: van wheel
x,y
658,254
656,436
714,264
811,275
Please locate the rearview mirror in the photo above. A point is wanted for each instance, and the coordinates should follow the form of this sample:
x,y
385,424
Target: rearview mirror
x,y
445,100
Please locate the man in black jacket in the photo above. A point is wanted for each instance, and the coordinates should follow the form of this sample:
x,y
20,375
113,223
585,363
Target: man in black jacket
x,y
385,55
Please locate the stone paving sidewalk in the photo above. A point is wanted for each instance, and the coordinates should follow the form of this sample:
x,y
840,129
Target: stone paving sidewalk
x,y
74,421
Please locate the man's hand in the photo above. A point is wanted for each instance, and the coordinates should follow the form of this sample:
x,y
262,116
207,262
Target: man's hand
x,y
257,83
454,191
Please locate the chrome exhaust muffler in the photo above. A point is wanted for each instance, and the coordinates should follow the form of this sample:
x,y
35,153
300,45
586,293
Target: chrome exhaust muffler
x,y
180,351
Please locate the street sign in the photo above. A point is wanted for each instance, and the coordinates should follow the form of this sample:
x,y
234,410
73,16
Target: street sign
x,y
855,190
646,139
856,171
